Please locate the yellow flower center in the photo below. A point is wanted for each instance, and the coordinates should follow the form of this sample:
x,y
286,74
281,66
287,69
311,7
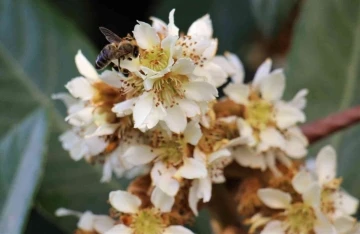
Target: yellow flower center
x,y
327,201
147,221
259,114
300,219
156,59
169,88
170,150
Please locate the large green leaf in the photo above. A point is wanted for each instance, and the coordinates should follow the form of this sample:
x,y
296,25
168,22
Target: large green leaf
x,y
325,57
21,159
270,16
37,48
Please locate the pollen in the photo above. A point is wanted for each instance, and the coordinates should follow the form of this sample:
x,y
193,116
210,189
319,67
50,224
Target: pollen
x,y
300,218
259,114
147,221
156,59
169,88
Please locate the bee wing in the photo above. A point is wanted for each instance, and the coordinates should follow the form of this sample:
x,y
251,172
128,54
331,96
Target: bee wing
x,y
109,35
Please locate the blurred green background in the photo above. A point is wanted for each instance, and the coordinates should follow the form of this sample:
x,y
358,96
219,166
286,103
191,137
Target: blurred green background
x,y
317,42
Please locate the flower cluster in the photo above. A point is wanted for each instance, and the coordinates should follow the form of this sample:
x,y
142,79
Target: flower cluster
x,y
317,205
162,120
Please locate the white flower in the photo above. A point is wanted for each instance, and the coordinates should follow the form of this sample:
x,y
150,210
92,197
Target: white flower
x,y
80,147
201,47
88,221
268,122
297,217
118,162
148,220
171,91
337,204
201,187
87,91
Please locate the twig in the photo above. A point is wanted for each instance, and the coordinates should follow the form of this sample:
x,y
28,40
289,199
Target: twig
x,y
322,128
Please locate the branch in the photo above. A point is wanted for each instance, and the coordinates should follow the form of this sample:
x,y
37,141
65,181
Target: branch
x,y
322,128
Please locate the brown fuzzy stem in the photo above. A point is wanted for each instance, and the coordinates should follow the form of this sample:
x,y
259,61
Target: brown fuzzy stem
x,y
322,128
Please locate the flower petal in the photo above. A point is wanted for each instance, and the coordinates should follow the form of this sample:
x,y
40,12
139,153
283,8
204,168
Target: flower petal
x,y
287,115
261,72
189,107
326,164
172,29
107,172
183,66
161,200
214,73
204,190
120,229
239,74
296,143
103,223
201,27
175,119
112,78
301,181
193,198
299,101
80,88
145,36
124,201
192,133
344,224
220,154
323,224
273,227
124,108
271,137
66,98
86,221
192,169
211,50
105,129
248,158
238,92
346,202
272,87
158,24
312,195
274,198
81,118
225,64
139,155
200,91
85,68
142,109
177,229
65,212
168,45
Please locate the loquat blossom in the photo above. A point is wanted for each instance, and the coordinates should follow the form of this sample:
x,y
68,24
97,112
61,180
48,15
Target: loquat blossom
x,y
178,74
89,222
268,122
151,220
337,204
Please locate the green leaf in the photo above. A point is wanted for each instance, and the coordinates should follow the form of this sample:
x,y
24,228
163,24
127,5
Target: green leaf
x,y
37,49
21,158
270,15
325,57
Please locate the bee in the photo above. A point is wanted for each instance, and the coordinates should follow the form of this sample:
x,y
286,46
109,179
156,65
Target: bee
x,y
119,48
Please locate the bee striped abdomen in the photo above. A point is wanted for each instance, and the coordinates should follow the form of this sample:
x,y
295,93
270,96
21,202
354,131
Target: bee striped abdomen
x,y
103,59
